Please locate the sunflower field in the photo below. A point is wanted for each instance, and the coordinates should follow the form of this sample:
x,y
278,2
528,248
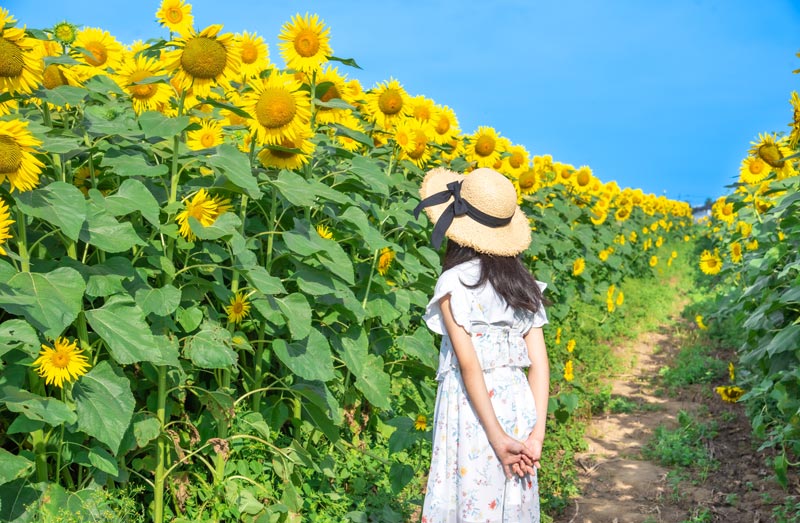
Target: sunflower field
x,y
750,252
212,280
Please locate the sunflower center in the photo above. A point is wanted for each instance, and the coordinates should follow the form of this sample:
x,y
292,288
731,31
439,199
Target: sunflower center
x,y
174,15
10,155
527,179
331,93
10,59
53,76
237,307
60,360
285,155
443,126
485,145
275,108
141,91
390,101
583,178
65,32
422,113
770,153
204,57
515,160
756,166
249,53
306,43
419,150
207,139
97,55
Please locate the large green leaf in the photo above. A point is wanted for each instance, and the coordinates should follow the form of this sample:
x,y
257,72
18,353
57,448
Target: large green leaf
x,y
367,368
294,188
226,225
297,311
13,466
105,279
106,232
64,95
370,234
235,165
131,163
210,348
420,346
35,407
49,301
16,498
120,322
162,301
105,404
156,125
304,240
371,174
309,358
263,281
18,334
132,196
60,204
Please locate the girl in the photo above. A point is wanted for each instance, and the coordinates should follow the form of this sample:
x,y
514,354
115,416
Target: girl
x,y
489,421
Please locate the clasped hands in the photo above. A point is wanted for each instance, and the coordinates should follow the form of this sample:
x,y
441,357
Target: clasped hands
x,y
517,457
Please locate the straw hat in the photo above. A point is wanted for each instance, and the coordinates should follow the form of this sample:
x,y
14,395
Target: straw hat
x,y
482,206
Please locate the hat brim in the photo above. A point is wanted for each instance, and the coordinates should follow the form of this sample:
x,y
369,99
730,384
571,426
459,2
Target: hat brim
x,y
508,240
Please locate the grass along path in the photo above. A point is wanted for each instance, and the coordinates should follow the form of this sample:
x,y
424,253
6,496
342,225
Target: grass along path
x,y
667,449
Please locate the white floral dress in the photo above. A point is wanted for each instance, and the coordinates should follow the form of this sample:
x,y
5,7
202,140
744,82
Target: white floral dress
x,y
466,483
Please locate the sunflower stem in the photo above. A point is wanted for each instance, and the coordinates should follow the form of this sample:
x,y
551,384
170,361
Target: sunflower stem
x,y
161,448
258,374
40,451
22,242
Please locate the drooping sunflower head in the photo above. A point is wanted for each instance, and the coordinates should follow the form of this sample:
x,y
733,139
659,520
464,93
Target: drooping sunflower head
x,y
324,231
238,309
278,107
305,43
175,15
569,373
97,51
5,225
768,149
253,53
20,67
736,252
710,263
133,78
62,363
204,60
653,261
578,267
387,104
290,153
18,164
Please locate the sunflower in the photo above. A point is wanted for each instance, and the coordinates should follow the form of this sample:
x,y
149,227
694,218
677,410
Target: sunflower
x,y
526,181
604,254
730,394
20,70
571,345
517,161
385,260
699,321
583,178
203,60
349,121
731,371
482,147
623,213
299,155
723,210
17,162
413,136
65,32
238,309
753,170
5,225
653,261
752,245
202,208
569,374
736,252
620,299
387,104
769,149
578,266
337,90
445,124
421,423
175,15
710,263
209,135
324,232
794,136
63,362
253,53
306,44
97,51
145,96
279,108
423,109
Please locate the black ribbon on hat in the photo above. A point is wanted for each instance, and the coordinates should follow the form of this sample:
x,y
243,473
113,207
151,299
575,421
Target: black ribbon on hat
x,y
459,207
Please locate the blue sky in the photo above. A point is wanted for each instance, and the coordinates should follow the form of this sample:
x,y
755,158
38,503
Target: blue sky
x,y
662,95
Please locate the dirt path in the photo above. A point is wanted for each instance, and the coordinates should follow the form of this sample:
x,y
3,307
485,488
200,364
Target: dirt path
x,y
618,485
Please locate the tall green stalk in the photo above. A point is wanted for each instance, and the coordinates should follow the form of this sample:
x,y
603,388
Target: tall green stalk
x,y
161,414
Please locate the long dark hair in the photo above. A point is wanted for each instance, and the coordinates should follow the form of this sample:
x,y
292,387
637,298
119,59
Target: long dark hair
x,y
509,277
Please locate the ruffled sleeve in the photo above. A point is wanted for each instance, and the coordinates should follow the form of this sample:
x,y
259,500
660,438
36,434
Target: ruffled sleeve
x,y
460,302
539,318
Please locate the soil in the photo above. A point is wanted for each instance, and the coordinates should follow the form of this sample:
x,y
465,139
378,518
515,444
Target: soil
x,y
619,485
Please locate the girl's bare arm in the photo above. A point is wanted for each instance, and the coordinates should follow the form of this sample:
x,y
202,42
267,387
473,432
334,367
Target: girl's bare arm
x,y
539,381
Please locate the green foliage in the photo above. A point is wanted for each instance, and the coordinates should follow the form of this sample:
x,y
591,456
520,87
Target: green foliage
x,y
692,365
683,446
